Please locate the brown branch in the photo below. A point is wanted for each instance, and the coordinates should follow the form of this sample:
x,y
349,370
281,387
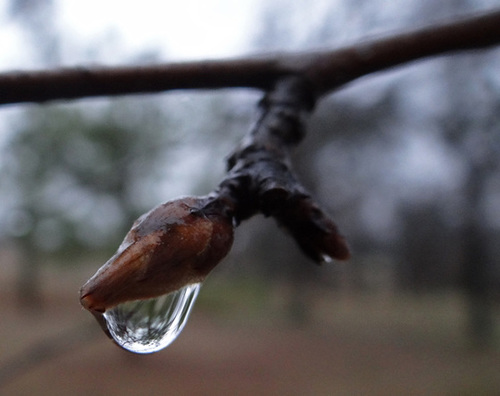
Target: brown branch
x,y
332,70
260,177
80,82
327,70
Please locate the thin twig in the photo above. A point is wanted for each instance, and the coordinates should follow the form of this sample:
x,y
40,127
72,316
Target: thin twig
x,y
327,70
260,176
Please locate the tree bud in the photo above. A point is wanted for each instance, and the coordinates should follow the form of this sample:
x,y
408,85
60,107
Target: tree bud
x,y
175,244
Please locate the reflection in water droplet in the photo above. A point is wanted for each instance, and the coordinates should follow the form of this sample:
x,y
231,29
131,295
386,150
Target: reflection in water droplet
x,y
146,326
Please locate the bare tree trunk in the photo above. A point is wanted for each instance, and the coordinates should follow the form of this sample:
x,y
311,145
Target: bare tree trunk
x,y
477,264
28,287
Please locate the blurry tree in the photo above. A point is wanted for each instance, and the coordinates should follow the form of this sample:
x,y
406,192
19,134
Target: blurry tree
x,y
79,179
430,249
76,176
477,139
449,240
37,19
357,138
342,160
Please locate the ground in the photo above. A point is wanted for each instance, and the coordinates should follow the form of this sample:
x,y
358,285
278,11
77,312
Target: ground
x,y
352,344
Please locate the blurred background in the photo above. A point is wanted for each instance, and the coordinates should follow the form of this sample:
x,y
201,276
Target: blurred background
x,y
406,161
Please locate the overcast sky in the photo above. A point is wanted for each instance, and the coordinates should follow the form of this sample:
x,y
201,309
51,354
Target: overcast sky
x,y
185,29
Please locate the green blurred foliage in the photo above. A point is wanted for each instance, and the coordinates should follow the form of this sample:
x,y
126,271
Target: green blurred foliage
x,y
74,176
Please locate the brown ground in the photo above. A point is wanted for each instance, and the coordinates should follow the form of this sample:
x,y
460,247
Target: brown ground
x,y
353,345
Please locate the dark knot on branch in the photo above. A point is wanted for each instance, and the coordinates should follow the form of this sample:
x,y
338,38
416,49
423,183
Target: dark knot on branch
x,y
261,179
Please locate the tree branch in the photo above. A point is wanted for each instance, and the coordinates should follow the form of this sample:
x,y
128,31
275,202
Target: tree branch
x,y
260,177
327,70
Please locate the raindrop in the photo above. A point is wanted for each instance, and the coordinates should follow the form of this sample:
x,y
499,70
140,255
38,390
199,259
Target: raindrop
x,y
146,326
326,259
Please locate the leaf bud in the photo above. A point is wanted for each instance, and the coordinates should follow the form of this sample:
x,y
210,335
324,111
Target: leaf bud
x,y
175,244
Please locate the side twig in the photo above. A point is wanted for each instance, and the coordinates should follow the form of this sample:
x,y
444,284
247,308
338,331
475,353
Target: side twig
x,y
260,178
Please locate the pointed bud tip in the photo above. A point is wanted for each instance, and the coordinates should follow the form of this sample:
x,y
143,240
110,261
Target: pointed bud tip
x,y
172,245
88,302
335,246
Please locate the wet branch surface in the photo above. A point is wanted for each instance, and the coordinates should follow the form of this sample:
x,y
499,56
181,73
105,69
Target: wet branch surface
x,y
326,70
260,178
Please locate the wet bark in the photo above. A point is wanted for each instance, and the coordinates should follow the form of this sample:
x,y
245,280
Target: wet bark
x,y
326,70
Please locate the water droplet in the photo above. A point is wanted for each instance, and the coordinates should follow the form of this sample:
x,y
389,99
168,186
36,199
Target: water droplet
x,y
146,326
325,259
